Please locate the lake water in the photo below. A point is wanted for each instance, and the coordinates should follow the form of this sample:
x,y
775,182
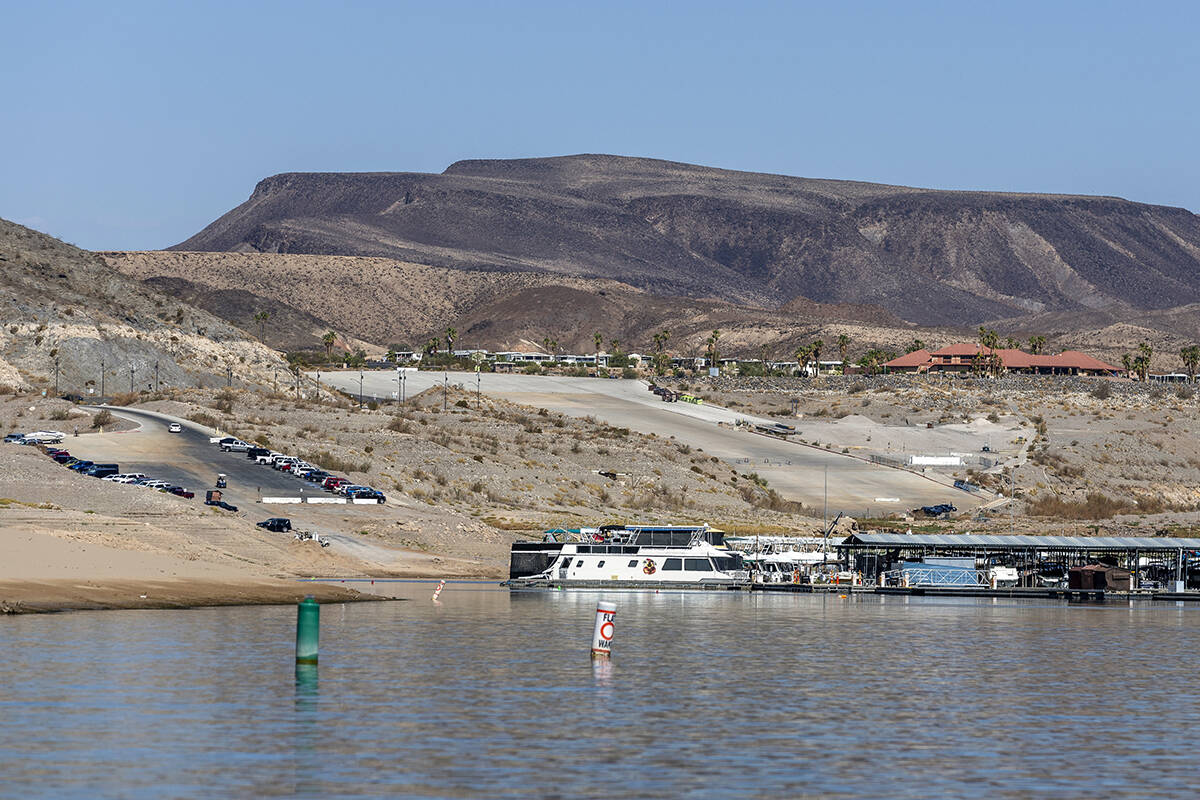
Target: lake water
x,y
707,695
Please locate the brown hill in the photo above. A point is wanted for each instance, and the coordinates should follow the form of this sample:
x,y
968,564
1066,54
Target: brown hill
x,y
385,302
66,306
932,257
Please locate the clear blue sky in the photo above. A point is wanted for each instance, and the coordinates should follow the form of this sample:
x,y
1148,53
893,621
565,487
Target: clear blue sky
x,y
131,125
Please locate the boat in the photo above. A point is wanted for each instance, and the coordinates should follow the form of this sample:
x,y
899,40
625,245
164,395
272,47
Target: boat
x,y
628,556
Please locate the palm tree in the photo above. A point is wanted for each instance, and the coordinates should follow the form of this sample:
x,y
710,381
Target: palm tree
x,y
451,335
1190,356
803,354
598,338
912,347
1036,344
1012,344
1142,362
432,346
989,362
328,339
660,358
260,318
816,348
843,344
712,347
1127,363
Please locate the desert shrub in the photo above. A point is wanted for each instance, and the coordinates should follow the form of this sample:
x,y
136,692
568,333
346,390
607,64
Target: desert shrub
x,y
462,404
1095,506
204,419
629,373
60,413
373,405
1185,393
263,440
104,417
399,425
856,387
1103,391
333,463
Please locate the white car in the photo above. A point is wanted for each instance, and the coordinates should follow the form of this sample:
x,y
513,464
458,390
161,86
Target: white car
x,y
174,427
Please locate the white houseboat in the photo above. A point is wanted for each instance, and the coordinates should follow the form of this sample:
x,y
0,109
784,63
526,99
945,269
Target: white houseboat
x,y
628,556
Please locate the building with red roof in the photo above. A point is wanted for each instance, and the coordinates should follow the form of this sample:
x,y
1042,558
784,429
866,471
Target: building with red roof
x,y
962,357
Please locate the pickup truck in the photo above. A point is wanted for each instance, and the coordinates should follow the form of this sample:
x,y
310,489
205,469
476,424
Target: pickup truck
x,y
236,447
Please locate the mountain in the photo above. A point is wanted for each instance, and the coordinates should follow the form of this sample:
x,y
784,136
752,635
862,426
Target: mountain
x,y
68,306
678,230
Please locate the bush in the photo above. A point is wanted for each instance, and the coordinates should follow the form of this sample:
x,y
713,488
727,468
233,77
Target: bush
x,y
1103,391
1185,393
1094,506
204,419
104,417
629,373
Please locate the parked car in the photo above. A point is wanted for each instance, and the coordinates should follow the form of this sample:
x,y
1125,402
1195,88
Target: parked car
x,y
333,482
80,466
368,494
181,492
174,427
236,446
13,438
276,524
102,470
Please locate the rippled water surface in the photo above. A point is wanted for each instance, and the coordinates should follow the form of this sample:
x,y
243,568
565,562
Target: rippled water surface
x,y
708,695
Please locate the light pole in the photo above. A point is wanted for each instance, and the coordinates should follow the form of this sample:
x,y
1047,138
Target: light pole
x,y
360,380
445,390
156,386
131,377
102,379
476,388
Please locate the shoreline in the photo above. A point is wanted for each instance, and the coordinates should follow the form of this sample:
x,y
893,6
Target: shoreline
x,y
58,595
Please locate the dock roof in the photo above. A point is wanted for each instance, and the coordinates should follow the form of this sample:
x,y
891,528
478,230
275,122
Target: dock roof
x,y
990,541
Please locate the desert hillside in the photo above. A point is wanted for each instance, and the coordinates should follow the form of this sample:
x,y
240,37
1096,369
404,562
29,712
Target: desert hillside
x,y
67,307
929,257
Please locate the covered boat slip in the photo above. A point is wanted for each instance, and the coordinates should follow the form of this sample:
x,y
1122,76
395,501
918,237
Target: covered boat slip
x,y
1044,565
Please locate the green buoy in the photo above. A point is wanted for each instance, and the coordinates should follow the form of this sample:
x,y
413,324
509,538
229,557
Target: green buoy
x,y
308,630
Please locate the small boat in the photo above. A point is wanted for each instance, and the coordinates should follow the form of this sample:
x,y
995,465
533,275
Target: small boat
x,y
628,556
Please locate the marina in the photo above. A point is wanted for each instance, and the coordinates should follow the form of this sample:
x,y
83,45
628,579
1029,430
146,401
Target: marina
x,y
1091,568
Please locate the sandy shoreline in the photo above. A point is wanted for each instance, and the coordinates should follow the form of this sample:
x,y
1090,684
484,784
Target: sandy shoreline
x,y
43,596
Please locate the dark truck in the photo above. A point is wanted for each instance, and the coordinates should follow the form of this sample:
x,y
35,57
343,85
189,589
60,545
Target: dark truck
x,y
276,524
213,498
102,470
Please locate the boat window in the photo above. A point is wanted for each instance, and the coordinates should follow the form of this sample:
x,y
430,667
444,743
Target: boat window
x,y
673,564
579,562
697,565
632,563
601,564
727,563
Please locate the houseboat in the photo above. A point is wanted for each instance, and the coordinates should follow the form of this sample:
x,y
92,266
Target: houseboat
x,y
628,556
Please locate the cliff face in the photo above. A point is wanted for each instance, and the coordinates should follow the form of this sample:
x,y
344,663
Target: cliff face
x,y
930,257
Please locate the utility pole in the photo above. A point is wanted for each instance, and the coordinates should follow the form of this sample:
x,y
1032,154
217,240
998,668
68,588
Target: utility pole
x,y
156,389
131,377
275,379
360,380
445,391
476,388
102,379
825,509
56,377
228,376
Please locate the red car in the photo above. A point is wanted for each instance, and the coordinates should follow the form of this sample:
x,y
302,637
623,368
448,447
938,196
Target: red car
x,y
331,483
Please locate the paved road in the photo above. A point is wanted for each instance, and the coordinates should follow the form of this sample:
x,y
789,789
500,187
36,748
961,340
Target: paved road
x,y
796,471
188,459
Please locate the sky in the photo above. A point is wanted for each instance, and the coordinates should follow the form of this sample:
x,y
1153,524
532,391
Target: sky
x,y
132,125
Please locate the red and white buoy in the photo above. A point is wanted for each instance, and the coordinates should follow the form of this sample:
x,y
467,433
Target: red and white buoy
x,y
602,635
438,591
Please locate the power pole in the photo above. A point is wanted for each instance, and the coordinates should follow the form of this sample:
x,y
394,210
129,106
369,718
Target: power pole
x,y
360,380
156,387
102,379
56,377
477,388
228,376
131,378
275,379
445,391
